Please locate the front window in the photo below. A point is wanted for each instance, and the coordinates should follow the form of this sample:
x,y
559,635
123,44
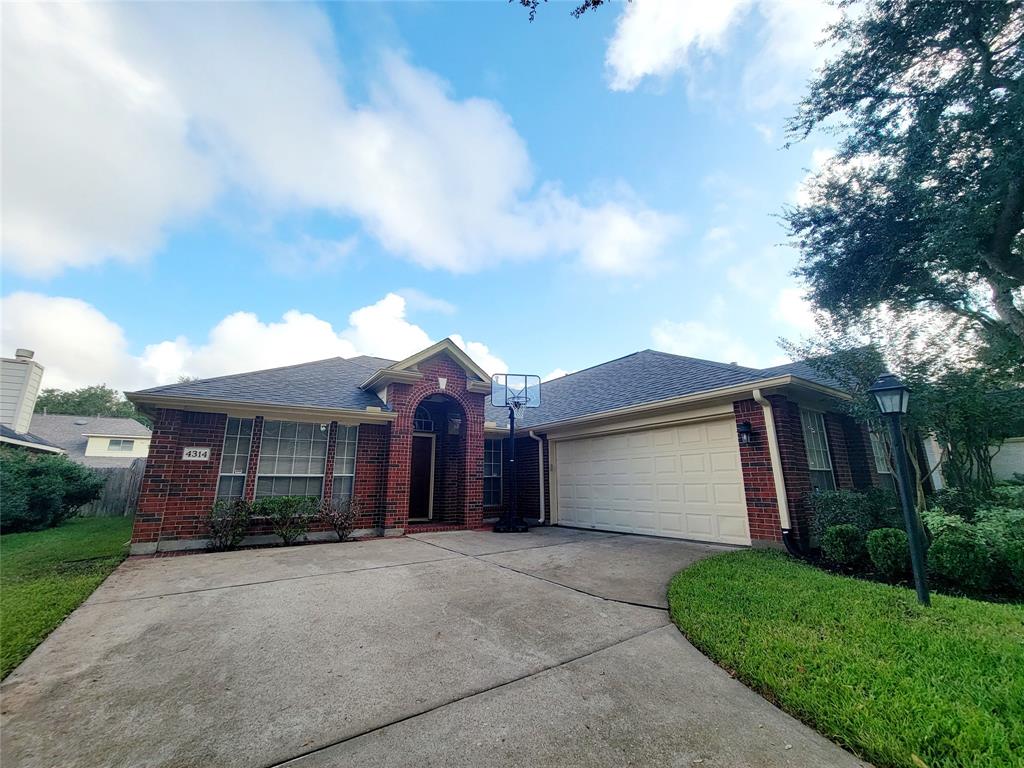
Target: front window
x,y
345,462
492,473
121,445
880,449
234,459
819,462
293,456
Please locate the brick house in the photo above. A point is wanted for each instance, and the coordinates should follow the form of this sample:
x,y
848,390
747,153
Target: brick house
x,y
650,443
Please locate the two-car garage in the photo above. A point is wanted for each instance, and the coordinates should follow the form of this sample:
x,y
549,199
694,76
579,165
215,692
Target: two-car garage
x,y
682,481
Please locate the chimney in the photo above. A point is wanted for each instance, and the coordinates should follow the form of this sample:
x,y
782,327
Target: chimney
x,y
20,378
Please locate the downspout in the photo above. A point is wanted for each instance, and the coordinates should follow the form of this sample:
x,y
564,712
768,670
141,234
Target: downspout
x,y
540,472
780,481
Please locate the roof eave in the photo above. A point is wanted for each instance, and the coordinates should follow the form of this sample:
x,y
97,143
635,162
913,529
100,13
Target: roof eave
x,y
694,398
30,445
249,409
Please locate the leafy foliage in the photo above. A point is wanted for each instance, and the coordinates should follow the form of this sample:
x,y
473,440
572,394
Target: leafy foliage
x,y
970,407
889,551
865,511
227,522
961,559
289,516
843,545
340,515
98,400
922,205
43,490
577,11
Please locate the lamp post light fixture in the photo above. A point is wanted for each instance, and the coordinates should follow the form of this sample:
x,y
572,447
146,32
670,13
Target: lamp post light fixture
x,y
893,397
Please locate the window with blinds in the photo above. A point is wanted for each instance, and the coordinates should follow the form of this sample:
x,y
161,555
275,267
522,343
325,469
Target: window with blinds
x,y
819,462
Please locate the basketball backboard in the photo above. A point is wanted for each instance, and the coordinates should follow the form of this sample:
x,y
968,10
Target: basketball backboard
x,y
515,389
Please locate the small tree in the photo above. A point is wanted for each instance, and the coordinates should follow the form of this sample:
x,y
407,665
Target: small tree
x,y
340,515
289,515
42,490
228,520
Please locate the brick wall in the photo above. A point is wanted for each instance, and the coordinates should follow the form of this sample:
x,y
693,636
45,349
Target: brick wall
x,y
758,481
835,430
371,473
175,494
794,463
462,490
526,478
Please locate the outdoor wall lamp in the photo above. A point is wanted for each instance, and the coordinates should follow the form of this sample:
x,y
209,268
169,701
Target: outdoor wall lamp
x,y
454,425
745,433
893,397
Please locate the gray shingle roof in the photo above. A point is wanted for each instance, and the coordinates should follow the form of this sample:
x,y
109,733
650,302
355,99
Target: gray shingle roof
x,y
25,437
642,377
69,432
331,383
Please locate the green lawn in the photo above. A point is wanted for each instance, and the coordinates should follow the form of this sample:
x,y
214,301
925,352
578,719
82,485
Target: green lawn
x,y
897,684
45,575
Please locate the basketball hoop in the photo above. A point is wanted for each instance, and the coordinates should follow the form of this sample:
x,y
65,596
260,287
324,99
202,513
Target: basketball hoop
x,y
517,392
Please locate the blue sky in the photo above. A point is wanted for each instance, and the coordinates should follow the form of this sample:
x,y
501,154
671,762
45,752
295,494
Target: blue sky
x,y
204,190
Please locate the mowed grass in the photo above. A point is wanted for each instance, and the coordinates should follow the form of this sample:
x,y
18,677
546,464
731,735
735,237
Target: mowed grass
x,y
45,575
863,663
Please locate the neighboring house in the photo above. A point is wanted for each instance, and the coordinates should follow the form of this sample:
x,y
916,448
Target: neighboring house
x,y
100,442
20,377
650,443
1008,461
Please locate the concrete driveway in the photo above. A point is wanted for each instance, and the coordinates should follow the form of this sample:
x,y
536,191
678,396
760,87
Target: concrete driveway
x,y
551,648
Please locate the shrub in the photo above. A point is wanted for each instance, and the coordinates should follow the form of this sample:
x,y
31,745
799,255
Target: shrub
x,y
340,515
961,502
889,552
1009,496
1013,557
833,508
960,558
937,521
843,545
43,490
228,521
289,515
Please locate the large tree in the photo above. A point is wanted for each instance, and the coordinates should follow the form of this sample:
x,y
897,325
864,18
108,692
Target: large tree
x,y
99,400
922,205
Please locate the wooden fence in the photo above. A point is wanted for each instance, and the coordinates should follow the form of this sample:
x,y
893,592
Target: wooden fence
x,y
120,495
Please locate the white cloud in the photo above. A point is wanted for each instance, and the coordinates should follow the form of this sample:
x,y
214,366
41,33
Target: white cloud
x,y
709,341
121,120
416,299
556,374
794,310
75,343
481,355
79,346
311,255
96,158
655,38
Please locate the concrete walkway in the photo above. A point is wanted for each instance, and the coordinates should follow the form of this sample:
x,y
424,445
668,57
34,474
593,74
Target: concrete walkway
x,y
551,648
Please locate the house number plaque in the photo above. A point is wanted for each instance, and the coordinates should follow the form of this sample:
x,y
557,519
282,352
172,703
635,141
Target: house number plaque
x,y
195,454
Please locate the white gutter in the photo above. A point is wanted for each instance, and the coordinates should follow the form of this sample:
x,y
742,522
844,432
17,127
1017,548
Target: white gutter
x,y
776,457
540,471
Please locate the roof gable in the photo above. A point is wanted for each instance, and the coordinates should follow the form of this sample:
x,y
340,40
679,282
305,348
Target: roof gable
x,y
405,371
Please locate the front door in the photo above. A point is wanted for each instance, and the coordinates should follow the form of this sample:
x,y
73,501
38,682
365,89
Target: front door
x,y
421,482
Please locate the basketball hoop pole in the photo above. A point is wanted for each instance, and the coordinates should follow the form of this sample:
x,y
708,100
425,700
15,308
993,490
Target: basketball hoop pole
x,y
510,521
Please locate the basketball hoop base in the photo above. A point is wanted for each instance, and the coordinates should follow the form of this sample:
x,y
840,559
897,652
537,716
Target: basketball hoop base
x,y
504,527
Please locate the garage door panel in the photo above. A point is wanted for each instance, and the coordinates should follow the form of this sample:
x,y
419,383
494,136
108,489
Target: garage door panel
x,y
682,481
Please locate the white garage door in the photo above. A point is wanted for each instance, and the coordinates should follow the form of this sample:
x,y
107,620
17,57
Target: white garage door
x,y
682,481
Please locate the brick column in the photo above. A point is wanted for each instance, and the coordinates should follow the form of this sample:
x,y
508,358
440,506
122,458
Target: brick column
x,y
837,448
795,471
758,480
332,445
163,450
395,514
252,469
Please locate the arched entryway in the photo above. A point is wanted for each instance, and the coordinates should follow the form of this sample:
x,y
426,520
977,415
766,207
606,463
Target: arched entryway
x,y
437,462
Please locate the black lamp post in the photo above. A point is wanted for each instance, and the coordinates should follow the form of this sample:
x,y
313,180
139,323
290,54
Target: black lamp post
x,y
893,396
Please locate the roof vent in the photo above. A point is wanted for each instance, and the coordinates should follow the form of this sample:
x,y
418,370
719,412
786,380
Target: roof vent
x,y
81,422
24,354
735,363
